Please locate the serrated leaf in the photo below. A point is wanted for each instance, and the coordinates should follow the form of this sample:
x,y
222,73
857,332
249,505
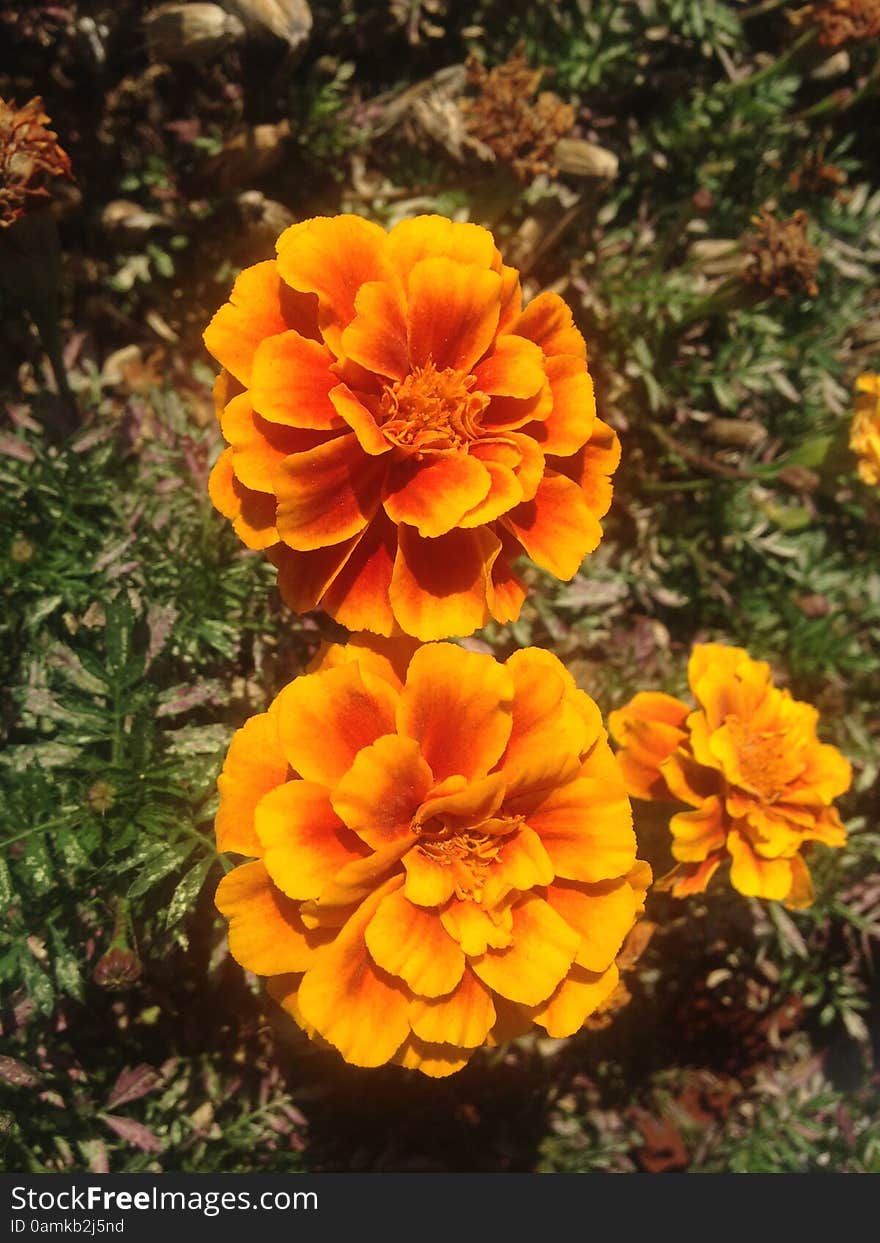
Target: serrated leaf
x,y
68,978
184,897
159,863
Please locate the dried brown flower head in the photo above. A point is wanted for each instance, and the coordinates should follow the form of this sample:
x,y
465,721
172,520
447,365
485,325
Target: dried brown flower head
x,y
815,176
29,157
780,261
504,116
847,21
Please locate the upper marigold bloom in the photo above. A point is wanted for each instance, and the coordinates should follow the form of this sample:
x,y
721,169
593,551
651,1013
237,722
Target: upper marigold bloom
x,y
444,853
748,760
400,429
864,432
29,157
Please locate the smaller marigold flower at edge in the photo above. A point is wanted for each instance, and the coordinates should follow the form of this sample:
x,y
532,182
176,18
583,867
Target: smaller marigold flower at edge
x,y
443,852
864,432
748,762
400,429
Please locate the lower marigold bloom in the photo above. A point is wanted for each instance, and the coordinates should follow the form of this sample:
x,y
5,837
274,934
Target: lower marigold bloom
x,y
864,432
443,852
750,764
401,429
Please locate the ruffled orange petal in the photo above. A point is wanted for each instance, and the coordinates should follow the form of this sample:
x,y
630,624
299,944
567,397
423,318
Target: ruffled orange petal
x,y
377,336
569,424
696,834
303,577
522,864
438,586
254,765
453,314
756,877
474,927
326,719
431,236
328,494
434,494
463,1019
476,800
332,256
686,879
591,467
304,842
410,942
259,306
349,1001
382,790
457,704
544,721
255,522
577,997
358,597
434,1060
258,446
586,829
601,915
291,383
221,486
360,420
548,321
266,934
515,368
556,529
542,952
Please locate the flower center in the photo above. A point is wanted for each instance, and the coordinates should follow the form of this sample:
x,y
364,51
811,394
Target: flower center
x,y
765,759
470,852
432,409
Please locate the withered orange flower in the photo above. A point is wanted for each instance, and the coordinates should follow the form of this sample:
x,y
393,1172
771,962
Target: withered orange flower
x,y
443,852
400,429
750,764
864,432
29,158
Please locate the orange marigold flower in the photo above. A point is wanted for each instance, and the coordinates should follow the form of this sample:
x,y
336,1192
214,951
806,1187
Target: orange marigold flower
x,y
749,762
443,852
400,429
864,432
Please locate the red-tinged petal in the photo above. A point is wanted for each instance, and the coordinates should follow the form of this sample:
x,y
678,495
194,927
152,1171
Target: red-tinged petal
x,y
360,420
476,800
530,470
349,1001
410,942
457,704
801,894
504,414
428,883
514,368
453,313
601,915
697,834
756,877
386,658
434,494
304,842
429,237
326,719
332,256
266,934
548,321
292,381
542,952
546,720
463,1019
505,490
255,523
328,494
522,864
376,338
434,1060
254,765
578,996
438,587
569,424
474,928
381,792
556,529
689,878
221,486
585,827
303,577
511,298
352,884
505,592
687,780
258,446
358,597
591,467
259,306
